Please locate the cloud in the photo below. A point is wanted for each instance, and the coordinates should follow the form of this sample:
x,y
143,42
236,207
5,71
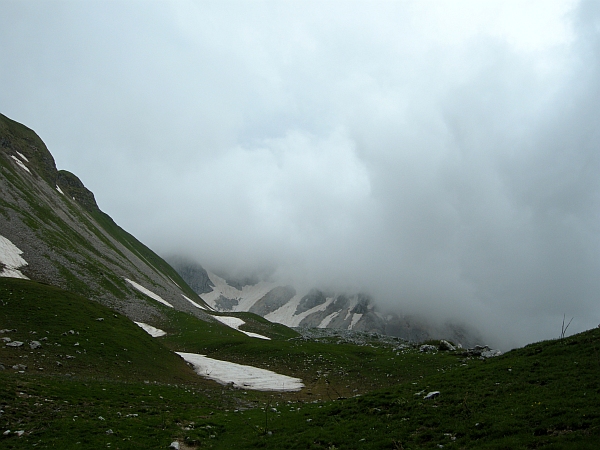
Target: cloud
x,y
441,156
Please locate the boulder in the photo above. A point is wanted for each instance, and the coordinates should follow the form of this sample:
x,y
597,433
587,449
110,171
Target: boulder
x,y
446,346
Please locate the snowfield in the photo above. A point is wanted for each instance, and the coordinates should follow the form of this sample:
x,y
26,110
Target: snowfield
x,y
235,323
152,331
10,257
242,377
149,293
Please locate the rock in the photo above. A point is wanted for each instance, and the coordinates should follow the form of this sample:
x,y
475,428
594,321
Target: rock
x,y
14,344
427,348
446,346
35,344
2,367
432,395
491,353
6,433
20,433
5,339
110,431
482,351
19,367
100,319
174,445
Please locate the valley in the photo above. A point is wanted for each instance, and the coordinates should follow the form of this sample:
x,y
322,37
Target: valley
x,y
104,344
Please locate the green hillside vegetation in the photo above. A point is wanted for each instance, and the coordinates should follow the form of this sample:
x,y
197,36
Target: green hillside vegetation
x,y
544,395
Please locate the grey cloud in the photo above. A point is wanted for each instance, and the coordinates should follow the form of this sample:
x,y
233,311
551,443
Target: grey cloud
x,y
444,159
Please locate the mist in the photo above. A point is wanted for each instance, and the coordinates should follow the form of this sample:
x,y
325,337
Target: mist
x,y
442,157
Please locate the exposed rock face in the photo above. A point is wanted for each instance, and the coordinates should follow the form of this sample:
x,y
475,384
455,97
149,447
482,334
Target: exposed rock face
x,y
193,273
311,300
226,304
274,300
315,308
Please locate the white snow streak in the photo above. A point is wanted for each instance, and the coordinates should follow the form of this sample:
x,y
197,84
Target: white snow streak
x,y
235,323
150,294
243,377
193,302
328,319
10,257
22,156
59,190
20,163
152,331
247,297
355,318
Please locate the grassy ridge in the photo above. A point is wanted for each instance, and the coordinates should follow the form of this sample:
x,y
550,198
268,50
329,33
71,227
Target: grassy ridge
x,y
79,337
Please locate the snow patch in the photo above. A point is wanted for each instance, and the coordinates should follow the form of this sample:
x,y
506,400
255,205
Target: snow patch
x,y
355,318
149,293
59,190
193,302
236,323
242,376
247,297
328,319
20,163
10,257
152,331
22,156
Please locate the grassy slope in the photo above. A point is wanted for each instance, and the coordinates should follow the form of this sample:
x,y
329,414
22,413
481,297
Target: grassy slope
x,y
143,252
542,396
74,341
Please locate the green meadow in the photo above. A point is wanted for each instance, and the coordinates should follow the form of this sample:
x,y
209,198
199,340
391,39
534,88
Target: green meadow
x,y
99,381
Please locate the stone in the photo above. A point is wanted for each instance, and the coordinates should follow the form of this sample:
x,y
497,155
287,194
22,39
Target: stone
x,y
35,344
174,445
19,367
432,395
427,348
446,346
14,344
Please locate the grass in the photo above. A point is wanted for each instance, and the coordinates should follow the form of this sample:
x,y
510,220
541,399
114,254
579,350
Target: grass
x,y
544,395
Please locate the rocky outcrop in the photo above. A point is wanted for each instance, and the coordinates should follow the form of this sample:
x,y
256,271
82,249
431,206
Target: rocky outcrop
x,y
273,300
193,273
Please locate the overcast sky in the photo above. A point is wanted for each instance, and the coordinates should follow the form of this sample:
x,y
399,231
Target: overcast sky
x,y
442,156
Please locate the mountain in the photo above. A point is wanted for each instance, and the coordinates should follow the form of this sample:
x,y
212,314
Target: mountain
x,y
77,372
311,308
52,231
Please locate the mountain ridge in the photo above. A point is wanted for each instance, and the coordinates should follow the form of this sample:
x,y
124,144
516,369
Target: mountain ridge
x,y
312,307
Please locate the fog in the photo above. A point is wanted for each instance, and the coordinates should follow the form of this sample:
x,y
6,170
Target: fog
x,y
443,157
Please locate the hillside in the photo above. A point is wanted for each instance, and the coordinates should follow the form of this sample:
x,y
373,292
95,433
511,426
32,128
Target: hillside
x,y
51,220
122,389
